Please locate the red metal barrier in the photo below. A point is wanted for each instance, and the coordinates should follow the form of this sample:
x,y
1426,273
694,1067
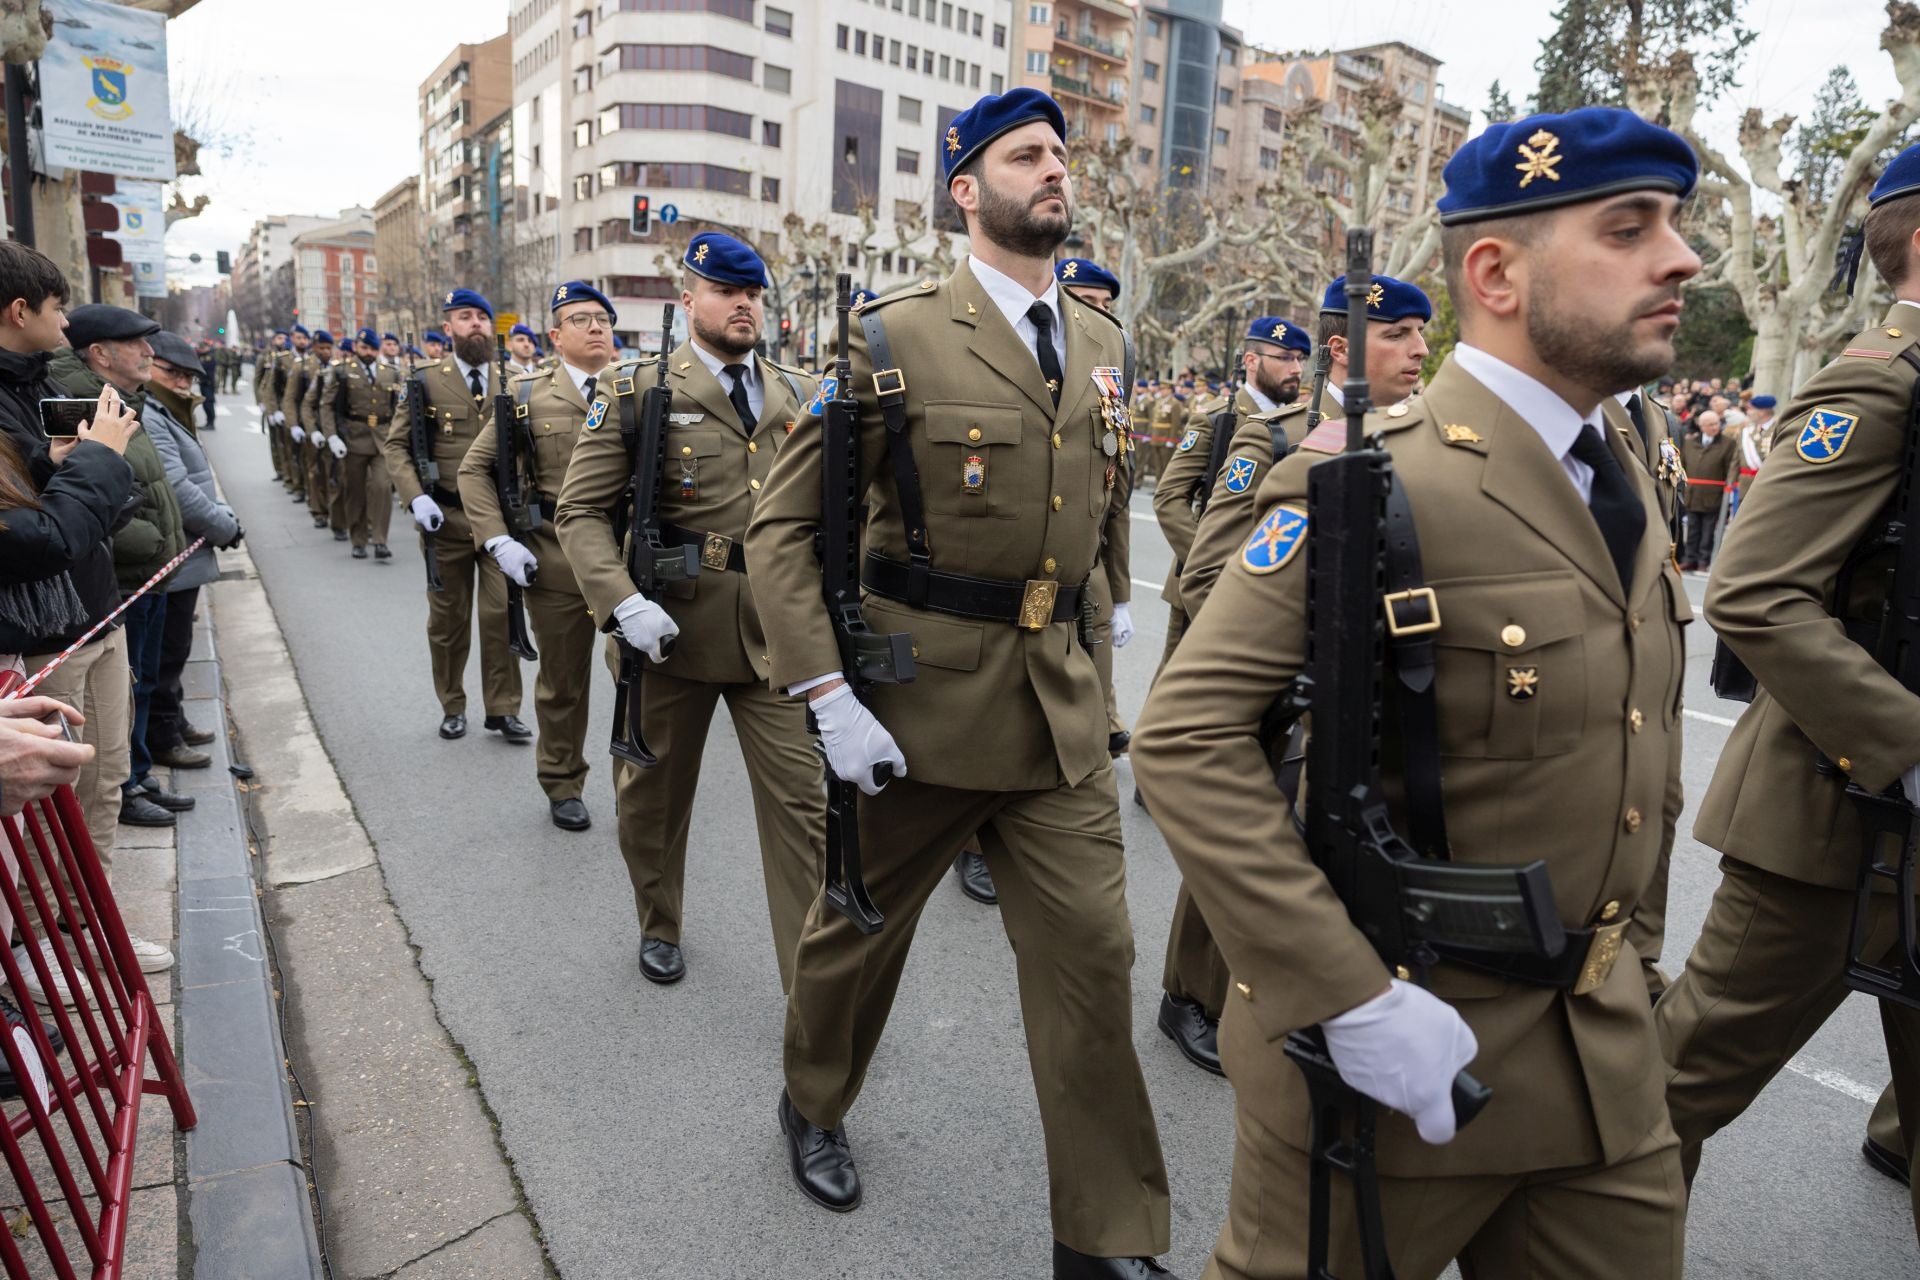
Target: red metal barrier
x,y
107,1037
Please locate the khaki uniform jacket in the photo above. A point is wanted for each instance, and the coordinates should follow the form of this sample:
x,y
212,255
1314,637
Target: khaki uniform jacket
x,y
1575,774
318,390
302,369
721,637
1232,513
369,404
1180,480
263,380
994,706
555,414
453,420
1772,599
1708,465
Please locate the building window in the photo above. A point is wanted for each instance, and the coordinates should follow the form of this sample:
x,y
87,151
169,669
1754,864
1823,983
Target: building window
x,y
999,35
999,83
1153,28
583,239
1219,137
683,57
1113,131
779,22
841,37
893,52
946,16
1269,159
905,161
654,287
1150,71
856,124
1146,155
692,177
1229,55
913,57
910,111
1039,14
778,79
770,190
879,48
583,134
1271,120
676,116
1147,113
976,26
1219,176
860,43
582,80
769,133
946,65
1036,62
583,187
583,24
1226,96
741,9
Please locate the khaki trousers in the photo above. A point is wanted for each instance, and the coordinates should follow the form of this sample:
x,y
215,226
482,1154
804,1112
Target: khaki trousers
x,y
655,806
369,497
1058,865
276,447
1102,650
564,633
98,683
1763,977
450,623
323,481
1883,1126
1602,1222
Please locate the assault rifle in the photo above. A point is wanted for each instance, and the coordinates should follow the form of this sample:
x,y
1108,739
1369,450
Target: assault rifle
x,y
1322,367
521,516
865,656
413,402
1409,905
651,563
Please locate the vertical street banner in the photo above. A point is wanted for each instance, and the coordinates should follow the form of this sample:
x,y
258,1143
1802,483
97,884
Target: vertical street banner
x,y
143,235
103,91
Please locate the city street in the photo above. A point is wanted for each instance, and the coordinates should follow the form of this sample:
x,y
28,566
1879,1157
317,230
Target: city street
x,y
640,1120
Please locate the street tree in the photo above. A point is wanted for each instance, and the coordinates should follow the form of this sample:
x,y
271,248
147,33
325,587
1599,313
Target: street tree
x,y
1598,47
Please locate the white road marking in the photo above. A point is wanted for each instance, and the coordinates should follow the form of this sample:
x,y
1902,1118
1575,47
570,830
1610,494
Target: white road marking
x,y
1142,582
1833,1080
1719,720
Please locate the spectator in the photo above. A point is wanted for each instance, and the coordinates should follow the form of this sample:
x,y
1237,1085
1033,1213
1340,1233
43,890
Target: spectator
x,y
1708,458
171,740
108,346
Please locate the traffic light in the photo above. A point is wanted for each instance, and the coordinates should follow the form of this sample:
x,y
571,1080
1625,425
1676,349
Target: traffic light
x,y
786,324
224,261
642,215
222,331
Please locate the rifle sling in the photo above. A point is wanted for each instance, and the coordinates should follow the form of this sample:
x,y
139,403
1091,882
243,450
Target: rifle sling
x,y
906,475
1410,658
1223,423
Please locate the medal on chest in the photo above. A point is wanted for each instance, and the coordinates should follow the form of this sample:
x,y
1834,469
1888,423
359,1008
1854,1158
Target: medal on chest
x,y
1113,413
689,478
973,474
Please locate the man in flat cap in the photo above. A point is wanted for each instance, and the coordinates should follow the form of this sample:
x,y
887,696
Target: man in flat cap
x,y
458,391
1555,681
990,410
356,411
732,412
1826,714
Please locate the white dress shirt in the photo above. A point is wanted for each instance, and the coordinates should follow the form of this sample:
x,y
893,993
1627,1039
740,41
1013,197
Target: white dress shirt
x,y
756,390
580,377
1013,299
1265,405
466,375
1556,421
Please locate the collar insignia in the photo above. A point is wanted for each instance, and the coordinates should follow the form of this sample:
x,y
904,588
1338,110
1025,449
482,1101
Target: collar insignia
x,y
1542,158
1454,433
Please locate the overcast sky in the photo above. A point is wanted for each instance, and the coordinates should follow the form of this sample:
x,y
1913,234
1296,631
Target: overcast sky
x,y
325,106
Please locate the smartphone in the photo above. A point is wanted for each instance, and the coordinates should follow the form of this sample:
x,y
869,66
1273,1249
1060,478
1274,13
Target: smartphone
x,y
64,418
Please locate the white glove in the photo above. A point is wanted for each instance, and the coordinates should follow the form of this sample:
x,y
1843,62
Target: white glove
x,y
645,625
338,446
1403,1050
1122,626
298,435
855,741
514,560
276,418
1910,783
427,513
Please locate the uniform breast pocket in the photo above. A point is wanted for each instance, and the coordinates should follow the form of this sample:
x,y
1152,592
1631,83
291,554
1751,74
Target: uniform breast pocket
x,y
1511,666
552,450
968,468
692,475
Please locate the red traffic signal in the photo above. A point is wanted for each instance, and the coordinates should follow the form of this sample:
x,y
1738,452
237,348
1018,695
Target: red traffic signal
x,y
642,223
786,324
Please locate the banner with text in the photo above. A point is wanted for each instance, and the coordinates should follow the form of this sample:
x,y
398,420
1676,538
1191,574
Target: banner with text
x,y
103,91
143,235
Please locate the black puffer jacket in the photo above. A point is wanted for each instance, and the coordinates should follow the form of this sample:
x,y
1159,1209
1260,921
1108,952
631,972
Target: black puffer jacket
x,y
69,533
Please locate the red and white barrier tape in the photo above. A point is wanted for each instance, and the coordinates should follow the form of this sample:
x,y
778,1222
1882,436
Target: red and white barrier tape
x,y
34,680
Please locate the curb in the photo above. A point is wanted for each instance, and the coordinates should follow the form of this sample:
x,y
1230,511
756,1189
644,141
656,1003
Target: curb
x,y
246,1179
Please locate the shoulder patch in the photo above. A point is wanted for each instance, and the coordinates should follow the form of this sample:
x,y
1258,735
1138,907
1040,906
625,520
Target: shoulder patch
x,y
1240,475
1187,440
829,388
597,414
1275,540
1826,434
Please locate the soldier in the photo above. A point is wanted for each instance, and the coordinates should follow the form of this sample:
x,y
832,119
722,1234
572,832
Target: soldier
x,y
549,408
437,344
1011,406
1556,678
263,367
732,414
1708,456
523,350
457,406
356,410
390,354
1790,837
1163,413
326,498
297,367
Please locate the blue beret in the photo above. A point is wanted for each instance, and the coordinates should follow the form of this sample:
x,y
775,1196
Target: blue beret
x,y
992,116
1390,299
320,336
1763,402
1902,177
367,336
281,333
433,335
1543,161
389,337
861,297
416,352
301,330
523,331
1288,337
580,291
724,260
1086,273
457,298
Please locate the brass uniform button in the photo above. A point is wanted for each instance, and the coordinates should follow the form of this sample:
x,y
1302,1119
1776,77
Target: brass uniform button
x,y
1244,989
1050,566
753,446
1611,910
1635,719
1633,820
974,434
686,451
916,651
1633,622
1845,764
754,485
1057,504
1403,973
1893,333
1056,439
1513,636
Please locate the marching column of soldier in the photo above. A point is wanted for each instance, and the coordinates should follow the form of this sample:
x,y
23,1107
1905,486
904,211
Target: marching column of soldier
x,y
1526,522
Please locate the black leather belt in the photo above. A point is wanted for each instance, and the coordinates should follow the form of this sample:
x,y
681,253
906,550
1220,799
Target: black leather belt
x,y
1030,604
717,551
446,497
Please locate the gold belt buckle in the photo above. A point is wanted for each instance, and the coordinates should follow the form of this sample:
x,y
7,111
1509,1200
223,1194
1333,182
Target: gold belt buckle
x,y
1036,607
1601,953
373,420
714,550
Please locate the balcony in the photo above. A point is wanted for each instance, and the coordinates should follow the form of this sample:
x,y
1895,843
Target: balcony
x,y
1357,68
1085,39
1086,92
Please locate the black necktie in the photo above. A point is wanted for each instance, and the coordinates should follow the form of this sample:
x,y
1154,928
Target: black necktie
x,y
1615,506
586,390
1637,412
1042,316
475,385
738,395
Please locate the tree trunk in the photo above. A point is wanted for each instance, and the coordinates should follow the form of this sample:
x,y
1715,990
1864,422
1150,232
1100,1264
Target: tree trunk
x,y
1773,348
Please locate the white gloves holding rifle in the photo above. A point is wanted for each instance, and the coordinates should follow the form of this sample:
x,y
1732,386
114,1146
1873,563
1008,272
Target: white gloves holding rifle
x,y
519,564
299,436
645,625
338,446
1403,1049
427,513
855,742
1122,625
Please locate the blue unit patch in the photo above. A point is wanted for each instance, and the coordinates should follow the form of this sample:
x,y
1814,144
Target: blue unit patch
x,y
1239,475
1825,436
596,414
1275,541
829,387
1186,441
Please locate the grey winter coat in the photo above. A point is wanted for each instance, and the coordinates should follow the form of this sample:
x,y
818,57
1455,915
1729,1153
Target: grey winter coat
x,y
191,479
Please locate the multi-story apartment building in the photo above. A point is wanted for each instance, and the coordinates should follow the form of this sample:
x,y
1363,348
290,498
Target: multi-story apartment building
x,y
738,113
461,103
403,304
1081,52
261,306
1186,100
336,273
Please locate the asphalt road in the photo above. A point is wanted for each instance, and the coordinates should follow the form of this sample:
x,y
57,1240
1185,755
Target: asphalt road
x,y
640,1120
